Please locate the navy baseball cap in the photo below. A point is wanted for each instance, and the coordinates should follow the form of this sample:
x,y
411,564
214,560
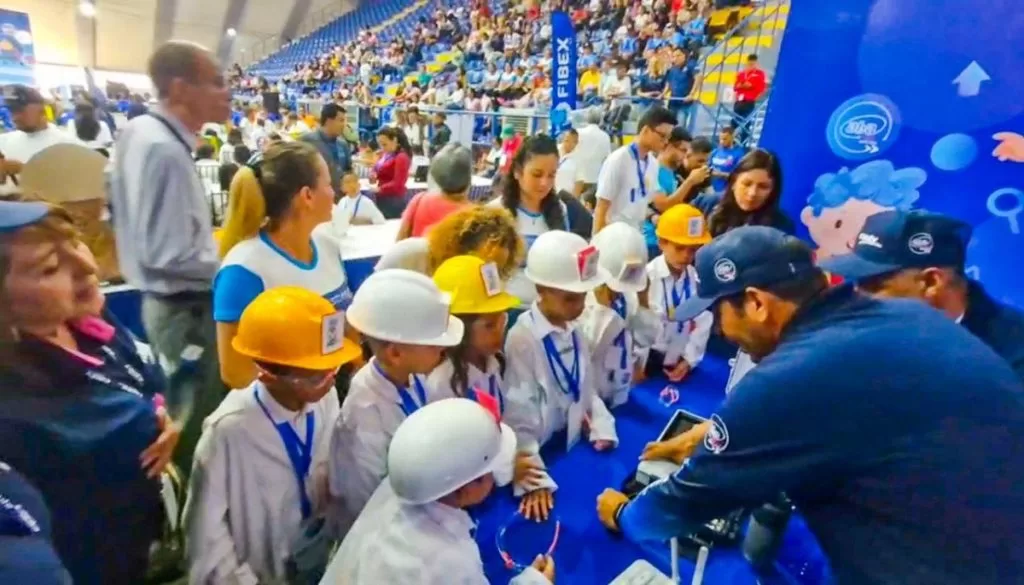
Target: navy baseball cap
x,y
894,240
748,256
15,215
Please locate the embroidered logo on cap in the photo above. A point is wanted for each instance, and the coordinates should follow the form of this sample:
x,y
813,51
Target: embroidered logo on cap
x,y
869,240
695,227
725,270
717,437
586,262
921,244
492,280
332,333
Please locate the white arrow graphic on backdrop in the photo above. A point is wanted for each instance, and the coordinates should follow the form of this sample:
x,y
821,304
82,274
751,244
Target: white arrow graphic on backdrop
x,y
970,79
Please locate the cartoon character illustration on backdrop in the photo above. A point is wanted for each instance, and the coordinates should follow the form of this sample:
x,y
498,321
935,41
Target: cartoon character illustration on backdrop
x,y
841,201
1010,147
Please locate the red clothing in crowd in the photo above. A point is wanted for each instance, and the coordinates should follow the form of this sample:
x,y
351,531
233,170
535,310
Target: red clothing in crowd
x,y
677,5
392,174
426,209
750,84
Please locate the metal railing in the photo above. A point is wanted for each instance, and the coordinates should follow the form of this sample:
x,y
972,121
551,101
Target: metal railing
x,y
724,60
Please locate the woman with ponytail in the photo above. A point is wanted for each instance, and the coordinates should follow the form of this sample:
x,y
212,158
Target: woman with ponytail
x,y
528,193
269,240
391,172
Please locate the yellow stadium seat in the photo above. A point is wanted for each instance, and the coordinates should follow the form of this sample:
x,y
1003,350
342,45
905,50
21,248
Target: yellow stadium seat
x,y
709,97
443,58
720,77
434,67
750,43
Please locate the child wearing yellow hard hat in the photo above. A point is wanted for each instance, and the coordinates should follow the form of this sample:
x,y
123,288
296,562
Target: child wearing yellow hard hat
x,y
680,347
258,489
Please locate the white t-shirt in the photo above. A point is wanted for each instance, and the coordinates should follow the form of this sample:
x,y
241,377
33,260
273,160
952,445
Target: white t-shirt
x,y
358,207
620,184
565,178
257,264
22,146
529,226
594,147
410,254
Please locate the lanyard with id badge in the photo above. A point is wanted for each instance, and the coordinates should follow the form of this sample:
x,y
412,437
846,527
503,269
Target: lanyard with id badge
x,y
641,173
407,403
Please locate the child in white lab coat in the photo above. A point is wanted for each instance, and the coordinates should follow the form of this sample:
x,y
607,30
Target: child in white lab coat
x,y
617,319
406,321
551,387
258,488
354,208
680,347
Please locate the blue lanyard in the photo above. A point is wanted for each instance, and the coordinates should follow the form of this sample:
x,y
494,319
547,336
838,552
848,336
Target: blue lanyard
x,y
619,306
407,404
495,390
572,377
355,208
641,172
677,295
300,453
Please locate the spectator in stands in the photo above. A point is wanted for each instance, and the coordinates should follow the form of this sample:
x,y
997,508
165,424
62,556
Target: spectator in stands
x,y
164,231
682,86
725,157
751,197
565,179
86,127
391,172
442,133
452,171
269,240
749,87
294,127
328,140
227,152
92,448
594,147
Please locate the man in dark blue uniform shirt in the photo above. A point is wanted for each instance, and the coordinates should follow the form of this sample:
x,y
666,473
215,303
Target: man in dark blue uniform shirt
x,y
26,551
898,435
921,255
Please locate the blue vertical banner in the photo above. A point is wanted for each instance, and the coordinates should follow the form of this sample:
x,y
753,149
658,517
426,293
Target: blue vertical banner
x,y
905,104
563,69
17,51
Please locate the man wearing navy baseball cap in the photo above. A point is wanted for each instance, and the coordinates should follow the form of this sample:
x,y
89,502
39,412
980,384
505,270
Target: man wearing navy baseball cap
x,y
917,254
906,464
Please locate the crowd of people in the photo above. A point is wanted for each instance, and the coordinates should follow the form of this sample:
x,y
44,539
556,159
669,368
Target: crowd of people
x,y
281,425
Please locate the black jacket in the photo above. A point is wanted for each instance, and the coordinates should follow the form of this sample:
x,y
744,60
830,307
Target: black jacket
x,y
999,326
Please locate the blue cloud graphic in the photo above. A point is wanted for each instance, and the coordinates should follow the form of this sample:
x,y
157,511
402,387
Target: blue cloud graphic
x,y
877,181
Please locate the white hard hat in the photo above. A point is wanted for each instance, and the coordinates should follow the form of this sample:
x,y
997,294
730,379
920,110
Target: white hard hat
x,y
444,446
402,306
564,261
624,255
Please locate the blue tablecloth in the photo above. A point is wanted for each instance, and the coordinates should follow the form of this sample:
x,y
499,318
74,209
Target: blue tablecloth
x,y
587,554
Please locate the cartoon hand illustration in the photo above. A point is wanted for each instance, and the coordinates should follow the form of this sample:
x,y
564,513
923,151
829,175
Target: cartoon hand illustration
x,y
1010,147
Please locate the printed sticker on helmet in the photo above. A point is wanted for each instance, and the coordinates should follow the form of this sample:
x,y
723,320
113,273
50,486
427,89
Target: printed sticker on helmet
x,y
586,262
632,271
332,333
695,227
492,280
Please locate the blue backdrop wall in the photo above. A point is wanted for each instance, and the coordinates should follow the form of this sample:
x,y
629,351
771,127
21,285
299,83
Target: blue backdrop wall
x,y
881,104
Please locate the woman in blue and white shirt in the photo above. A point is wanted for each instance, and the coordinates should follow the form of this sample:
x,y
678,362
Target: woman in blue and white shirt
x,y
290,190
528,193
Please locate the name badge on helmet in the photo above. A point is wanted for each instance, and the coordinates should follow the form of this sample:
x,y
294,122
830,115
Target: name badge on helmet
x,y
491,278
332,333
695,227
632,271
586,262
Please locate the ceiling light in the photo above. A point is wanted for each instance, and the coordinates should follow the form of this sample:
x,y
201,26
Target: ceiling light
x,y
231,32
87,9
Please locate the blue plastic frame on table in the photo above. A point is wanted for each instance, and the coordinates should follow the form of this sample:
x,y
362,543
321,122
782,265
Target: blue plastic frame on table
x,y
587,554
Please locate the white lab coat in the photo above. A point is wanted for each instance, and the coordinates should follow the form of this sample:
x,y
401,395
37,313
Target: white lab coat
x,y
537,406
359,443
677,340
243,512
612,361
394,543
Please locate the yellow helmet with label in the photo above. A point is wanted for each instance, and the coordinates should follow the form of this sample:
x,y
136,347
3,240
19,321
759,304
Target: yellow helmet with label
x,y
475,286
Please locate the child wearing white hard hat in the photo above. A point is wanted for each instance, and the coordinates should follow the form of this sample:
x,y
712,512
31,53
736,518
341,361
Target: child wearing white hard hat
x,y
617,319
407,323
551,385
415,528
